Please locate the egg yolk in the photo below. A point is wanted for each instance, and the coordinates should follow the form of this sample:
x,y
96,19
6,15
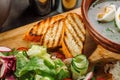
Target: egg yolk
x,y
106,10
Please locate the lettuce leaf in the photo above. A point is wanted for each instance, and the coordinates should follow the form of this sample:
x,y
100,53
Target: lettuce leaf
x,y
39,63
27,76
47,77
38,66
41,52
22,60
61,70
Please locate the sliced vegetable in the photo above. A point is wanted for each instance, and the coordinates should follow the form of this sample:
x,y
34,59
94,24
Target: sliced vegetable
x,y
38,77
67,79
22,60
5,49
43,77
10,77
100,78
61,70
38,66
41,52
3,70
108,14
79,66
37,50
67,62
89,76
22,49
1,54
47,78
10,61
117,18
58,55
8,65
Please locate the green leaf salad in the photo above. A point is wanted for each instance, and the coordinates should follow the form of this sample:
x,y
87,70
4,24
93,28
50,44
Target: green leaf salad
x,y
37,64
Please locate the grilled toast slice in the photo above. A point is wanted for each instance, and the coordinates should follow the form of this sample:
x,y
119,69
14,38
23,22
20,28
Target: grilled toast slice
x,y
74,35
54,35
39,32
68,32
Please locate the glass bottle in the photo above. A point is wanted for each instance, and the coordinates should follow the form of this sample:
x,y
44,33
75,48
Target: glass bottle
x,y
43,7
68,4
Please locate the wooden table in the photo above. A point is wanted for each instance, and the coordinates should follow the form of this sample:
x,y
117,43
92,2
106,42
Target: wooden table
x,y
14,39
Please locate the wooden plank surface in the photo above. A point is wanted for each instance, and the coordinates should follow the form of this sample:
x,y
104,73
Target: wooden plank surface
x,y
14,38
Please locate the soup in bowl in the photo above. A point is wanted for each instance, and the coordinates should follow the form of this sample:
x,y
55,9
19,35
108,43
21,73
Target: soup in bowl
x,y
102,20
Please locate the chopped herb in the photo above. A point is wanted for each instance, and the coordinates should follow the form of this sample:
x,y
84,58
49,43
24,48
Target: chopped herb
x,y
111,30
93,78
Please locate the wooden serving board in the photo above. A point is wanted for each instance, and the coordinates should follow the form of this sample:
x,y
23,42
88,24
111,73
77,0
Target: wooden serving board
x,y
14,39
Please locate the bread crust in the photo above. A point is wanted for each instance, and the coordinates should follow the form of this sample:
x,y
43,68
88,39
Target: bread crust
x,y
74,35
66,31
38,32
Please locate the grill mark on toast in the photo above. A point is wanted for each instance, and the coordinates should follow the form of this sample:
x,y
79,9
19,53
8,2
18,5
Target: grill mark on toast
x,y
70,43
34,29
80,47
46,28
80,23
66,51
64,40
47,36
73,22
58,36
54,39
53,33
31,32
74,33
63,31
40,28
78,30
43,38
47,24
73,27
33,37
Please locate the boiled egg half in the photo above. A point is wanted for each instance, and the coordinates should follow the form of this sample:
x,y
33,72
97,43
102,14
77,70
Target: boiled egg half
x,y
108,14
117,18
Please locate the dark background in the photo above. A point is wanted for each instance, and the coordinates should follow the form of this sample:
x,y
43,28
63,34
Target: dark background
x,y
21,13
